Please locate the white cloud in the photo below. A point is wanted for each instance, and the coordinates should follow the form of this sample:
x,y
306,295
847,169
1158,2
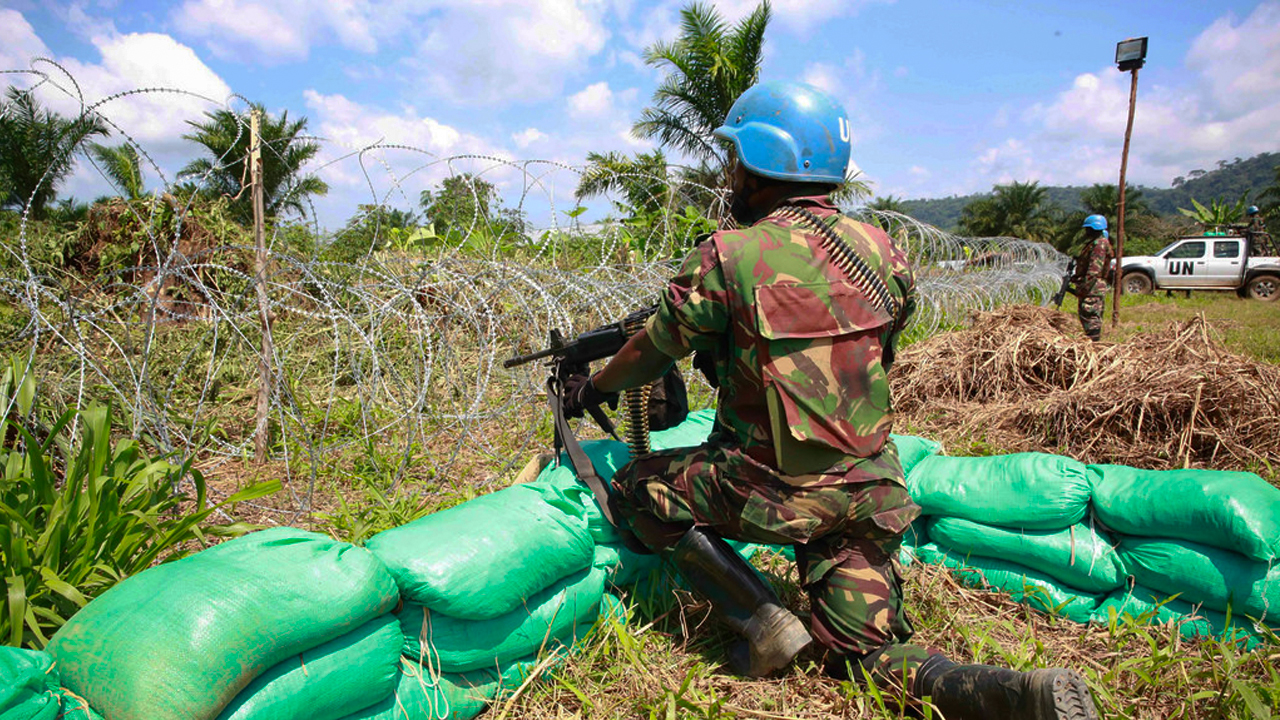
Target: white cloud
x,y
284,30
147,60
919,172
1228,110
1239,64
527,137
154,118
595,100
18,41
360,169
502,51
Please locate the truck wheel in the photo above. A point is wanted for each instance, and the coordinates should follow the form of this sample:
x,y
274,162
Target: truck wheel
x,y
1264,287
1137,283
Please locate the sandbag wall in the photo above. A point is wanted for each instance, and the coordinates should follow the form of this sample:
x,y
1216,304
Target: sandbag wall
x,y
1101,542
430,621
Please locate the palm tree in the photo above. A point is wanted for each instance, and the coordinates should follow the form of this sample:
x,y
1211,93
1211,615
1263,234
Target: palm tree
x,y
1103,199
121,164
709,65
888,204
642,180
285,188
37,150
1014,210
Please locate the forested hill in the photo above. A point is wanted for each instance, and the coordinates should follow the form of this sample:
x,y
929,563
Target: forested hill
x,y
1228,181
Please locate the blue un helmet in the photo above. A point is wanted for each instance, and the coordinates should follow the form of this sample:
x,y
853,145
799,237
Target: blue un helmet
x,y
1095,222
789,131
1253,210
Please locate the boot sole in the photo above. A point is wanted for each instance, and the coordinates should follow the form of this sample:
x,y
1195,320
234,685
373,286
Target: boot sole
x,y
788,640
1072,699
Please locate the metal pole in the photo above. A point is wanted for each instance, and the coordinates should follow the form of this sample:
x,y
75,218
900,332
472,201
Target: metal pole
x,y
1124,166
261,428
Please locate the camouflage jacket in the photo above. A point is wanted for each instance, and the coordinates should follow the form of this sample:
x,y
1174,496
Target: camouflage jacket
x,y
801,354
1092,267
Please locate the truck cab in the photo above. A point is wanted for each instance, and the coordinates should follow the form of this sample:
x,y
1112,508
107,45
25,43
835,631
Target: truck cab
x,y
1206,262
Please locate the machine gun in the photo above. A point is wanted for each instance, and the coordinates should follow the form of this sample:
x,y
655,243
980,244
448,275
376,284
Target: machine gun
x,y
573,357
1058,297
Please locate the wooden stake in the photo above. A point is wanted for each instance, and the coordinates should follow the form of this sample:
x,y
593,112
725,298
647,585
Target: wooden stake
x,y
1118,279
261,432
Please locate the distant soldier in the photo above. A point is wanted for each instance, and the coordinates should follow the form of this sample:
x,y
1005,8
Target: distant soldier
x,y
1090,279
1257,239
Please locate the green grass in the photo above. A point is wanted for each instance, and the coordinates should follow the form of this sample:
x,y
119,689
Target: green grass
x,y
1248,327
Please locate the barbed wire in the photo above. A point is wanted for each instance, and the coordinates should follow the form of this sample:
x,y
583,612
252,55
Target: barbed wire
x,y
395,353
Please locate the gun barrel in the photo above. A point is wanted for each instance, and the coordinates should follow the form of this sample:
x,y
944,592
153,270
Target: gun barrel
x,y
522,359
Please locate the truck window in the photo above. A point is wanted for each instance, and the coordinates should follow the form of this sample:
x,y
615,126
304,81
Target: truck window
x,y
1226,249
1187,251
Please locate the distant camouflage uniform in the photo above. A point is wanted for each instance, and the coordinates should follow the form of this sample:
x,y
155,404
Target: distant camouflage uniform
x,y
1091,284
801,360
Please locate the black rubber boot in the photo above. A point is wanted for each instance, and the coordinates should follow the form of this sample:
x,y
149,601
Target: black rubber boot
x,y
976,692
749,606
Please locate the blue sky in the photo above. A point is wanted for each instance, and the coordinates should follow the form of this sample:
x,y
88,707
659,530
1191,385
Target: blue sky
x,y
946,96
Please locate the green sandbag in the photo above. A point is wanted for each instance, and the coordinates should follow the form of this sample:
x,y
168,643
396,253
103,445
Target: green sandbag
x,y
917,533
692,432
606,457
335,679
913,449
1079,556
181,640
422,694
28,685
74,707
484,558
1235,511
1142,604
1202,574
1033,491
1024,585
456,645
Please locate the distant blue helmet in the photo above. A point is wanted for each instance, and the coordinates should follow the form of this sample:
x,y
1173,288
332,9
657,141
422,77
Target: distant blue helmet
x,y
1253,210
1095,222
789,131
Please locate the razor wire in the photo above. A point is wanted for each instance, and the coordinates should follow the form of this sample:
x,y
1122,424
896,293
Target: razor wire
x,y
396,352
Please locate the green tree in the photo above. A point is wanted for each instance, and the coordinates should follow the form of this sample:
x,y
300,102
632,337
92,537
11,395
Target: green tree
x,y
465,206
38,150
285,187
1269,198
708,66
121,164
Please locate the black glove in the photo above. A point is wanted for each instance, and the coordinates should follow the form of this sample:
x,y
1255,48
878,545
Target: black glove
x,y
580,393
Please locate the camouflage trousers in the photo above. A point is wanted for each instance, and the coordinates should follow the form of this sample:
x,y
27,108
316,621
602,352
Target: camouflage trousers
x,y
1091,310
845,535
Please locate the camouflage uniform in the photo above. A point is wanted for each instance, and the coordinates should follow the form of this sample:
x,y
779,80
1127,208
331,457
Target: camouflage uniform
x,y
800,452
1091,284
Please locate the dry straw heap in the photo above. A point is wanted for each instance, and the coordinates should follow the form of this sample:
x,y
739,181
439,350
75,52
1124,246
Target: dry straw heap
x,y
1023,378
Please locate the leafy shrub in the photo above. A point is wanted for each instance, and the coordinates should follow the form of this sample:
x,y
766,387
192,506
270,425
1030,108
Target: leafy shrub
x,y
74,522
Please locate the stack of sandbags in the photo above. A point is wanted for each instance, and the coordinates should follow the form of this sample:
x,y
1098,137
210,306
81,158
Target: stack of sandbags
x,y
1018,523
276,624
1209,537
487,586
30,689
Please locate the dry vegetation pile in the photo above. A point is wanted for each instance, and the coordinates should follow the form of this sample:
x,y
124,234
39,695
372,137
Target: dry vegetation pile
x,y
1024,378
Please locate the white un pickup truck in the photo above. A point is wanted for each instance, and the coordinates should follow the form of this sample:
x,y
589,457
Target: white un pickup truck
x,y
1210,262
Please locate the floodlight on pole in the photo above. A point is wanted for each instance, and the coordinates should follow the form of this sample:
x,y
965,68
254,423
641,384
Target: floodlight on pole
x,y
1131,54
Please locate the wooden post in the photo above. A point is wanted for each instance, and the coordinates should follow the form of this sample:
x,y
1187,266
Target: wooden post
x,y
262,435
1124,166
